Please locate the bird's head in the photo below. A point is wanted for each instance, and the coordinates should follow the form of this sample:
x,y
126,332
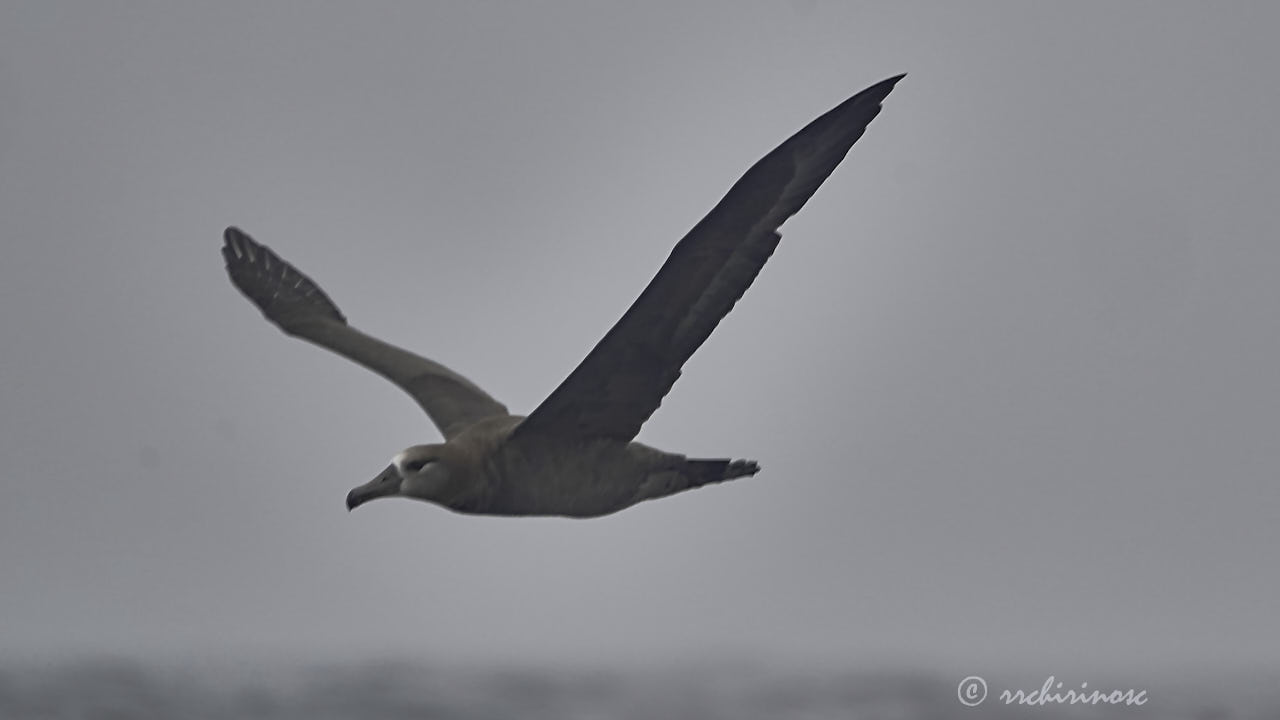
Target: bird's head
x,y
420,472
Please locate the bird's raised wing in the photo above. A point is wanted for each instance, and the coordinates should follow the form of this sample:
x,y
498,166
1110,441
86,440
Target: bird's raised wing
x,y
300,308
624,378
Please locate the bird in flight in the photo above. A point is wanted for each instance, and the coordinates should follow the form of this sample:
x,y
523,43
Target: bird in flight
x,y
575,454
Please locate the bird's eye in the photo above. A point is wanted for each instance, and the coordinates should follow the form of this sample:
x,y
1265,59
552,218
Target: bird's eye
x,y
415,466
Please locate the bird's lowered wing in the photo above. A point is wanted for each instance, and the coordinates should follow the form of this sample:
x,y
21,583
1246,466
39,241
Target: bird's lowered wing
x,y
300,308
624,378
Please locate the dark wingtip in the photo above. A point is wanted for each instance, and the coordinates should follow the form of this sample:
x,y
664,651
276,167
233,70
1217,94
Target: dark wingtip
x,y
884,87
281,291
237,245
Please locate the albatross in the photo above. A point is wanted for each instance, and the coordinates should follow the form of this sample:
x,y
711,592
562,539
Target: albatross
x,y
575,455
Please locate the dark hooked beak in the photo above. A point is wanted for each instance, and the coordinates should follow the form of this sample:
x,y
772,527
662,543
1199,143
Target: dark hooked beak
x,y
386,484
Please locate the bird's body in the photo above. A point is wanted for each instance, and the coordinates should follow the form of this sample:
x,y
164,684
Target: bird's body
x,y
575,454
589,479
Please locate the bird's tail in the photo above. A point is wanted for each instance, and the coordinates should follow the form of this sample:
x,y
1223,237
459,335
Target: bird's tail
x,y
702,472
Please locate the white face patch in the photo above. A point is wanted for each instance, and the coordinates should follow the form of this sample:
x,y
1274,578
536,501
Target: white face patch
x,y
408,457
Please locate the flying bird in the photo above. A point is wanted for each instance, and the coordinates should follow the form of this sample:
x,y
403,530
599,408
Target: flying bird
x,y
575,454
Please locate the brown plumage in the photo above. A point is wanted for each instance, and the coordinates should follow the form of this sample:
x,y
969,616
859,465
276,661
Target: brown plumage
x,y
574,455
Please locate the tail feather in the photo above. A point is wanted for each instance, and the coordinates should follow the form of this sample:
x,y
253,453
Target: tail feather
x,y
682,474
702,472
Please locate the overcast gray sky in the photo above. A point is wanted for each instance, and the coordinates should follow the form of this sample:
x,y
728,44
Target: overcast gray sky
x,y
1011,376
